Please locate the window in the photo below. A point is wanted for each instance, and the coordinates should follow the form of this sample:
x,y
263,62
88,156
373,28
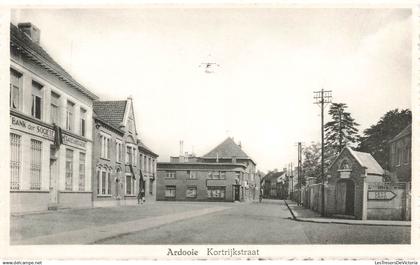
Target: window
x,y
82,171
192,174
103,181
171,174
191,192
82,122
36,107
70,116
170,191
216,192
69,170
217,175
406,154
398,152
129,185
36,152
15,160
15,89
129,155
55,108
105,144
118,147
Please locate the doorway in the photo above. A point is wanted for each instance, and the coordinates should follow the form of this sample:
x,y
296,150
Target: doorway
x,y
345,197
236,192
54,174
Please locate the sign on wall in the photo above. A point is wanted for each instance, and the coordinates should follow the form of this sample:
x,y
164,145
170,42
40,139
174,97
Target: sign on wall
x,y
42,131
381,191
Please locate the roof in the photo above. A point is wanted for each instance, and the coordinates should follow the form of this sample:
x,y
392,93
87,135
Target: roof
x,y
227,149
37,53
96,117
111,112
405,132
367,161
144,147
278,176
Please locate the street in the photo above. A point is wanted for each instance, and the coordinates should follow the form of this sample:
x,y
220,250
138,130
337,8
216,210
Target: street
x,y
268,222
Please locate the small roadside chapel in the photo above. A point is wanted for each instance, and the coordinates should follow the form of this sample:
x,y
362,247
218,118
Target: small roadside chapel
x,y
356,189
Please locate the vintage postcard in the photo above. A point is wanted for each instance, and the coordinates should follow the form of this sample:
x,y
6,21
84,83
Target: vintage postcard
x,y
209,131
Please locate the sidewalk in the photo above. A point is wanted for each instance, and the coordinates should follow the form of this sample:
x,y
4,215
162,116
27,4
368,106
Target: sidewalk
x,y
302,214
87,226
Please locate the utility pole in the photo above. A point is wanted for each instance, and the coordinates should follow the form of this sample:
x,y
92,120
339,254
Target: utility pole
x,y
299,171
322,98
291,176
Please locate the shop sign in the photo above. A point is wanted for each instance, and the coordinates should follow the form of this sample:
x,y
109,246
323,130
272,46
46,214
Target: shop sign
x,y
44,132
32,128
68,140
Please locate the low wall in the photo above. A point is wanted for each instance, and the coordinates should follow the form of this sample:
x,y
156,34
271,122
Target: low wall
x,y
75,199
388,201
28,201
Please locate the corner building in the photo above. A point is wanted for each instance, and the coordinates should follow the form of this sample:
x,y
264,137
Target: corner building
x,y
226,173
50,129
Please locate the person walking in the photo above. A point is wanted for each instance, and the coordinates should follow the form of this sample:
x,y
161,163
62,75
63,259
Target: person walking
x,y
142,194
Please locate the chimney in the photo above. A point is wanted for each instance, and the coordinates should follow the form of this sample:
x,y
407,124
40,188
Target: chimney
x,y
181,151
31,31
240,144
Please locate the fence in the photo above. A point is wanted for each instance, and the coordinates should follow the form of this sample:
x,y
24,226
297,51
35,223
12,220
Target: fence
x,y
385,201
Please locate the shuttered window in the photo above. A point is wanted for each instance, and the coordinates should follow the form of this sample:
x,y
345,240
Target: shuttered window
x,y
69,170
82,171
15,160
35,169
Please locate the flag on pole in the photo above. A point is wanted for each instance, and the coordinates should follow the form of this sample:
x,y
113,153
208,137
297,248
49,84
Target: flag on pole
x,y
58,137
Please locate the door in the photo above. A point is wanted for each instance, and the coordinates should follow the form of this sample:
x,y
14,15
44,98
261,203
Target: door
x,y
345,197
53,181
349,197
236,192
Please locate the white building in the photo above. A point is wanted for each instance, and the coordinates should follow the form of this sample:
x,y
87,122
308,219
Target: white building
x,y
43,173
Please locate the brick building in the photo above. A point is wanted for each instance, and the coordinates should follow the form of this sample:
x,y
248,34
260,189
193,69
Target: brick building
x,y
348,179
123,164
275,185
400,155
50,129
226,173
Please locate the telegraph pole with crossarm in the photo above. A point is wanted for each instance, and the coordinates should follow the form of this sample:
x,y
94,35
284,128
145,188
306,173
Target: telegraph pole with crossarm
x,y
322,98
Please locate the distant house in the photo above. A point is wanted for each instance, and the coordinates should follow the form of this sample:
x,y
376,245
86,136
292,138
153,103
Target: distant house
x,y
400,155
226,173
275,185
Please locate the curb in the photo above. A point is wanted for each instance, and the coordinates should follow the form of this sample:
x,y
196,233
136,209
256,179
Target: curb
x,y
337,222
290,210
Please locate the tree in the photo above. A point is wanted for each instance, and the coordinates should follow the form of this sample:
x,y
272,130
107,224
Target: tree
x,y
376,138
340,131
311,165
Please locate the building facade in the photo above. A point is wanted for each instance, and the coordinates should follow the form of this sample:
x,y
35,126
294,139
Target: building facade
x,y
50,129
226,173
400,155
123,164
198,181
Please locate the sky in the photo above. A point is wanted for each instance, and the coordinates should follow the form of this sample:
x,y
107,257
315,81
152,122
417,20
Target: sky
x,y
270,62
